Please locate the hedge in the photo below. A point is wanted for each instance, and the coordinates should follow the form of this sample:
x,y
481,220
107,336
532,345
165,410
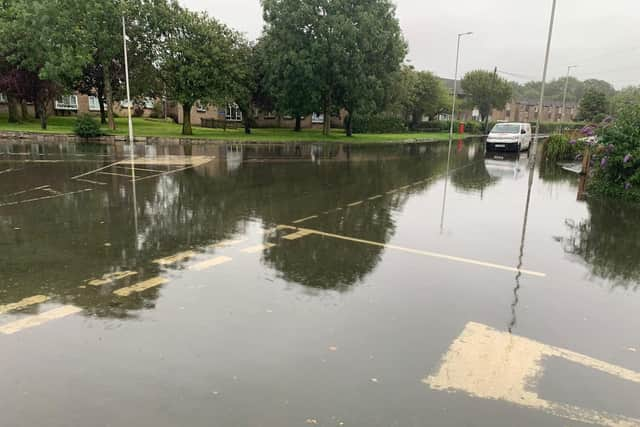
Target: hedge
x,y
377,124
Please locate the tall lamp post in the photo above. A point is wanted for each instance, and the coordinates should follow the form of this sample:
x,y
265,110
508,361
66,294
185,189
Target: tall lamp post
x,y
452,118
566,88
131,139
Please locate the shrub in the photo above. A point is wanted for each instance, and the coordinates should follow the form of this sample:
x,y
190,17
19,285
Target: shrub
x,y
617,166
87,126
138,110
157,112
377,123
560,147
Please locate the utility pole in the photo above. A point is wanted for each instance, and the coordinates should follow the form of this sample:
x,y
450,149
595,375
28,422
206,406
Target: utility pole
x,y
566,87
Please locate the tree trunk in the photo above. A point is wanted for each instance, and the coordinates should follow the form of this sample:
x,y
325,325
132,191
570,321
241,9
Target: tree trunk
x,y
36,108
109,95
14,116
247,124
25,110
298,127
103,115
326,126
42,107
349,124
186,120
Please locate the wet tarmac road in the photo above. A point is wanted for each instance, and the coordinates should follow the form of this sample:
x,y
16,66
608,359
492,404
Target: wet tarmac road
x,y
288,285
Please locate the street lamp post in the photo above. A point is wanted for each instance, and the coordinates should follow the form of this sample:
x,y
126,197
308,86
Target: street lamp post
x,y
566,87
453,114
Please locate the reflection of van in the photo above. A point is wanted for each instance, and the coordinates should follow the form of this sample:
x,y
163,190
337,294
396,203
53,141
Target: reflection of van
x,y
509,137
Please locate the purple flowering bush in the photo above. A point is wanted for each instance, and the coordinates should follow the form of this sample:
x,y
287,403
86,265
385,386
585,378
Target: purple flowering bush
x,y
618,155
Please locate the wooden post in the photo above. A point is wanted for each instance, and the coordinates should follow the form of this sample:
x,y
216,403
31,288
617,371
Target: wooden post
x,y
586,167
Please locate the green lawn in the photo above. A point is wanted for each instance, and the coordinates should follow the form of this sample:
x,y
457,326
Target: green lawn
x,y
161,128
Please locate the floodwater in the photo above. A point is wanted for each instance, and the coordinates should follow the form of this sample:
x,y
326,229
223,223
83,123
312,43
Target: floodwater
x,y
297,285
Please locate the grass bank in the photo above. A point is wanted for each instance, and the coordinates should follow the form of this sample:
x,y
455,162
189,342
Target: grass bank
x,y
163,129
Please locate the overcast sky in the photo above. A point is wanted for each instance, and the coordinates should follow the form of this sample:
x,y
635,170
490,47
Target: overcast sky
x,y
602,37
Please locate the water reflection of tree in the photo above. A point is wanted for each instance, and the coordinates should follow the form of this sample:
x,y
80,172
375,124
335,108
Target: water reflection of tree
x,y
551,172
75,239
473,178
609,242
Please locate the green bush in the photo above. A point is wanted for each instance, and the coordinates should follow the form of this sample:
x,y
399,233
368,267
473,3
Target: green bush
x,y
377,123
561,148
87,126
158,111
556,127
617,173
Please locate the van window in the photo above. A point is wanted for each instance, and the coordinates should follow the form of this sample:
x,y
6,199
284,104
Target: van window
x,y
506,128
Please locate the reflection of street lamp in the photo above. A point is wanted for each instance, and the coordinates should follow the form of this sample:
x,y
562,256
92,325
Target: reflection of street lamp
x,y
453,113
131,142
566,87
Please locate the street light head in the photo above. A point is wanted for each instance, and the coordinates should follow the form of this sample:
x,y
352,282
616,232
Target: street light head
x,y
466,34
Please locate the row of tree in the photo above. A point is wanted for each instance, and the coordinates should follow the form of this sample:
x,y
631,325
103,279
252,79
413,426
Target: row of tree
x,y
324,55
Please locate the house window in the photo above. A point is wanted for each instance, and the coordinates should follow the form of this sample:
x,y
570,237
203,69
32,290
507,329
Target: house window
x,y
67,102
317,118
149,103
94,103
233,113
3,98
200,107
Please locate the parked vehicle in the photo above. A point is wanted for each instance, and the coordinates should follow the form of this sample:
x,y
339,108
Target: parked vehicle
x,y
510,137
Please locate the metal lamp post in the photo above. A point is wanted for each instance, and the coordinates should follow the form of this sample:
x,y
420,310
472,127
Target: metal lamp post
x,y
453,114
566,88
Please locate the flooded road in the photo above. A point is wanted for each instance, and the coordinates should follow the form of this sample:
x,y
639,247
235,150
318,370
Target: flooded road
x,y
332,285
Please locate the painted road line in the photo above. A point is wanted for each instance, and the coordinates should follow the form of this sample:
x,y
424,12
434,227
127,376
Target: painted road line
x,y
94,171
391,191
257,248
6,171
430,254
140,287
27,302
40,319
45,198
227,243
114,174
405,187
379,196
298,235
355,203
111,277
490,364
181,256
210,263
305,219
90,181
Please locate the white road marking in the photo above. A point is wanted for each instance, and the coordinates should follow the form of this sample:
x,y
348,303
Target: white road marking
x,y
490,364
210,263
305,219
111,277
426,253
175,258
257,248
140,287
40,319
26,302
298,235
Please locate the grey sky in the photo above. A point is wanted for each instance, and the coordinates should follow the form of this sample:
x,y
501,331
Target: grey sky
x,y
603,38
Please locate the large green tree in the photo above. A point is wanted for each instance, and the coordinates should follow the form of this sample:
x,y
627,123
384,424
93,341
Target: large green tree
x,y
594,106
44,37
198,61
424,94
331,54
486,91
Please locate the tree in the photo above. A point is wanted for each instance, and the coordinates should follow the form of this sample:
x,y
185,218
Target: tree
x,y
198,61
627,96
370,49
290,57
486,91
332,54
42,37
593,106
425,95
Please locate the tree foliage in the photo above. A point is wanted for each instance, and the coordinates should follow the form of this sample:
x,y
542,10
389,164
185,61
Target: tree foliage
x,y
486,91
594,106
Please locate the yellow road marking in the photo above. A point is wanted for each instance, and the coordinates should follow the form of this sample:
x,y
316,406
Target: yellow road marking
x,y
426,253
204,265
140,287
114,174
298,235
257,248
38,299
379,196
111,277
90,181
227,243
405,187
355,203
45,197
175,258
490,364
391,191
305,219
40,319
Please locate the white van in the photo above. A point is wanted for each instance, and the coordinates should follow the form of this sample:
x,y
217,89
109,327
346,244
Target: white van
x,y
509,137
